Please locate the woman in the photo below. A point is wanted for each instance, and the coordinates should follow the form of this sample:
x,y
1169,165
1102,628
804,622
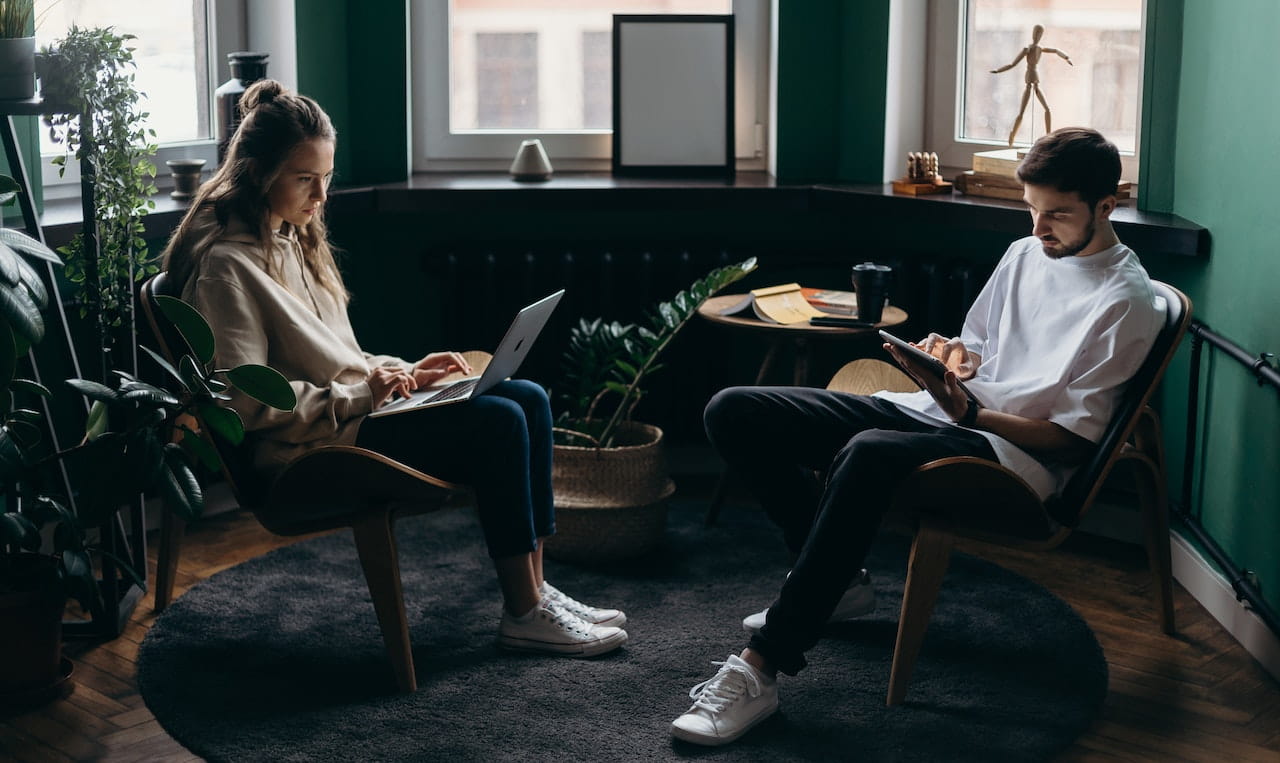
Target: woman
x,y
252,253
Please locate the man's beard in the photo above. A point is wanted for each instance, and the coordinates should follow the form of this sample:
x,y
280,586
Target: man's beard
x,y
1071,250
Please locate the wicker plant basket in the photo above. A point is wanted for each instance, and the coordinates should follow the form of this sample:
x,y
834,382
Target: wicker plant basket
x,y
611,503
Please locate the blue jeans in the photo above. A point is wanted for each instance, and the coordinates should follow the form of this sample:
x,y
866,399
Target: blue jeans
x,y
499,443
776,438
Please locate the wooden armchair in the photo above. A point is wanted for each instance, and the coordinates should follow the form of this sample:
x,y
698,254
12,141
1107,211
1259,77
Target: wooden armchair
x,y
977,498
329,487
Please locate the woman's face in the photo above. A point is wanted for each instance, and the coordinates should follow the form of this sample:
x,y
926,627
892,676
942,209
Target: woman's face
x,y
300,189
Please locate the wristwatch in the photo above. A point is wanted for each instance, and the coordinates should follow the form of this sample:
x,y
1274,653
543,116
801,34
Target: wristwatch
x,y
970,416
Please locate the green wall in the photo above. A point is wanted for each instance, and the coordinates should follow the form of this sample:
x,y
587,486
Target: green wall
x,y
832,66
1224,129
353,58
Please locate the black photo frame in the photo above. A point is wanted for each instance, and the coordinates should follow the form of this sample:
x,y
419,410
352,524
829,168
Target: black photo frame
x,y
673,95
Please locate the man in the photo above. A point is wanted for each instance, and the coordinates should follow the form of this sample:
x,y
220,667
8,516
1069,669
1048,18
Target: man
x,y
1065,320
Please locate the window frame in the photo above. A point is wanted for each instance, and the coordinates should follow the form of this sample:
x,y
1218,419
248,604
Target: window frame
x,y
435,148
227,22
944,77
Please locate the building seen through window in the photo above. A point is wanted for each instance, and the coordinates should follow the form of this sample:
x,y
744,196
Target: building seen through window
x,y
540,64
1101,88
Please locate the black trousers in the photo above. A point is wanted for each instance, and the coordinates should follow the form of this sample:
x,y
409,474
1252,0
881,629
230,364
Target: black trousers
x,y
775,439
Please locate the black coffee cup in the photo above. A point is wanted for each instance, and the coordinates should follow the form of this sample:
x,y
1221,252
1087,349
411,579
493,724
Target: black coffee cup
x,y
871,282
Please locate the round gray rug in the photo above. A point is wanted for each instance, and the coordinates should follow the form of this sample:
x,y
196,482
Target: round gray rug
x,y
280,658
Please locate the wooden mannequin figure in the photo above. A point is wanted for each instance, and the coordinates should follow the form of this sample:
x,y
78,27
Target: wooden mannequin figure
x,y
1032,53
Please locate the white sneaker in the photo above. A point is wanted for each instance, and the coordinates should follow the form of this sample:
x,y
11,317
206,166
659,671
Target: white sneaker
x,y
593,615
550,629
858,599
728,705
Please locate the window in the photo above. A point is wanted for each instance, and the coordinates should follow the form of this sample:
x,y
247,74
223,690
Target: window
x,y
973,109
176,68
488,73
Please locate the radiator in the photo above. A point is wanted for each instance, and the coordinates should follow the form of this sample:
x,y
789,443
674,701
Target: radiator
x,y
623,284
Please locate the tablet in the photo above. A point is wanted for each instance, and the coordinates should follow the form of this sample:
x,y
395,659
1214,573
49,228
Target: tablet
x,y
932,364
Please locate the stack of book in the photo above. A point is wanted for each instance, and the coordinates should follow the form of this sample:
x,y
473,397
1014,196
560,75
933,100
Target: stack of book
x,y
994,174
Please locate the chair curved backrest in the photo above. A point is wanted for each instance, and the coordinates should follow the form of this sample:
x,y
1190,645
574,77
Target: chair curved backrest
x,y
1084,485
248,486
329,486
1014,514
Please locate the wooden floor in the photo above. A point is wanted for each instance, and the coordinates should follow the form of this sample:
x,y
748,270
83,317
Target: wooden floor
x,y
1195,697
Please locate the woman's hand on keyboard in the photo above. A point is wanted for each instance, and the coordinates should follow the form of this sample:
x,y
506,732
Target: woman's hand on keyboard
x,y
438,365
386,381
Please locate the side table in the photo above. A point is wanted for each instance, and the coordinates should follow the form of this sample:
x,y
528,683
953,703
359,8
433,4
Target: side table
x,y
801,335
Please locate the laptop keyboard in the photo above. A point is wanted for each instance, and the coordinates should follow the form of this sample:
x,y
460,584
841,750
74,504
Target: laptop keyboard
x,y
456,390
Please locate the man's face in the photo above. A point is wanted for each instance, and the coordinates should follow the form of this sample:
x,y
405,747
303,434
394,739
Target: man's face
x,y
1064,223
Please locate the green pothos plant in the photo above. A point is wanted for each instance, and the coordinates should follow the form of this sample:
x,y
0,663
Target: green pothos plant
x,y
606,363
91,74
136,438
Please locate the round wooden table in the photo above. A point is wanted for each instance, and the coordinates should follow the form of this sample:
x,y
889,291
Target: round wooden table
x,y
779,334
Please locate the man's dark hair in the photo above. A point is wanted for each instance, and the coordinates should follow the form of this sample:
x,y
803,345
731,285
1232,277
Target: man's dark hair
x,y
1073,159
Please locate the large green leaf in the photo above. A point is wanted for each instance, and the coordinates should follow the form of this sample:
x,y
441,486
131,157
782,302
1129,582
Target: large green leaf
x,y
24,244
98,420
200,448
17,530
28,276
264,384
191,324
166,365
26,385
179,486
224,421
22,314
12,463
8,354
93,390
142,392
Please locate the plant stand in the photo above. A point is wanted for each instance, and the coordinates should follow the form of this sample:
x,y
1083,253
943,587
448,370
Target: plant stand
x,y
119,594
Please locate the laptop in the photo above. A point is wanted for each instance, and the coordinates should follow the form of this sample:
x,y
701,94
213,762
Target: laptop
x,y
506,360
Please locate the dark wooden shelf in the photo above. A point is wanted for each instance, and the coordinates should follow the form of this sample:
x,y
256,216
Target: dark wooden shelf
x,y
1151,234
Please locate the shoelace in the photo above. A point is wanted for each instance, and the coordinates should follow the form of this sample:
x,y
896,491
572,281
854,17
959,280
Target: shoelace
x,y
566,619
572,605
725,687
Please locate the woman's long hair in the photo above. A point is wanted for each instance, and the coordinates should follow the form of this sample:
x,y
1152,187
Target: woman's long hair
x,y
275,122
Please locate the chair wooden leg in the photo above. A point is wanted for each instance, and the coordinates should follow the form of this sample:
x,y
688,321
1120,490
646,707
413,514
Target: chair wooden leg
x,y
172,528
376,544
1153,497
930,555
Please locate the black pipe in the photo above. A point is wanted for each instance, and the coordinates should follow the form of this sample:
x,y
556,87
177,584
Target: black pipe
x,y
1261,368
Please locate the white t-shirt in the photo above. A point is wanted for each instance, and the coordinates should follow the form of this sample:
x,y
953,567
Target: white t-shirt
x,y
1058,340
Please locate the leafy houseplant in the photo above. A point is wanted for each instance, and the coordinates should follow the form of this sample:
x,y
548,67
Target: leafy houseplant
x,y
17,49
605,364
136,439
609,479
90,73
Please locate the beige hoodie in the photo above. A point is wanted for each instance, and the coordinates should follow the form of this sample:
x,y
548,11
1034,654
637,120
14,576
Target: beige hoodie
x,y
295,327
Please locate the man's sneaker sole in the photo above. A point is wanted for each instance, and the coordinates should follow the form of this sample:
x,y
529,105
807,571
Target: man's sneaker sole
x,y
579,649
841,617
694,737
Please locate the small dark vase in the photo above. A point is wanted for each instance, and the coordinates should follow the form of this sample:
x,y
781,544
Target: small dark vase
x,y
246,69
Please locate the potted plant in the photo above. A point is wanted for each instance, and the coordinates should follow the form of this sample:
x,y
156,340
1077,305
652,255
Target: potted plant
x,y
17,50
135,440
609,477
90,74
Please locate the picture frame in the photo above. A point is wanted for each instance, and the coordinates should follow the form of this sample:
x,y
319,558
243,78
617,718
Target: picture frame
x,y
673,110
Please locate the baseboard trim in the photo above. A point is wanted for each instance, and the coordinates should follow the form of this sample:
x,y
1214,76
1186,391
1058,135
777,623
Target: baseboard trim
x,y
1214,593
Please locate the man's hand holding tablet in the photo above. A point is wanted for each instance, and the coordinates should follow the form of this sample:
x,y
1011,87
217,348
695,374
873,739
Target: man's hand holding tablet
x,y
934,375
